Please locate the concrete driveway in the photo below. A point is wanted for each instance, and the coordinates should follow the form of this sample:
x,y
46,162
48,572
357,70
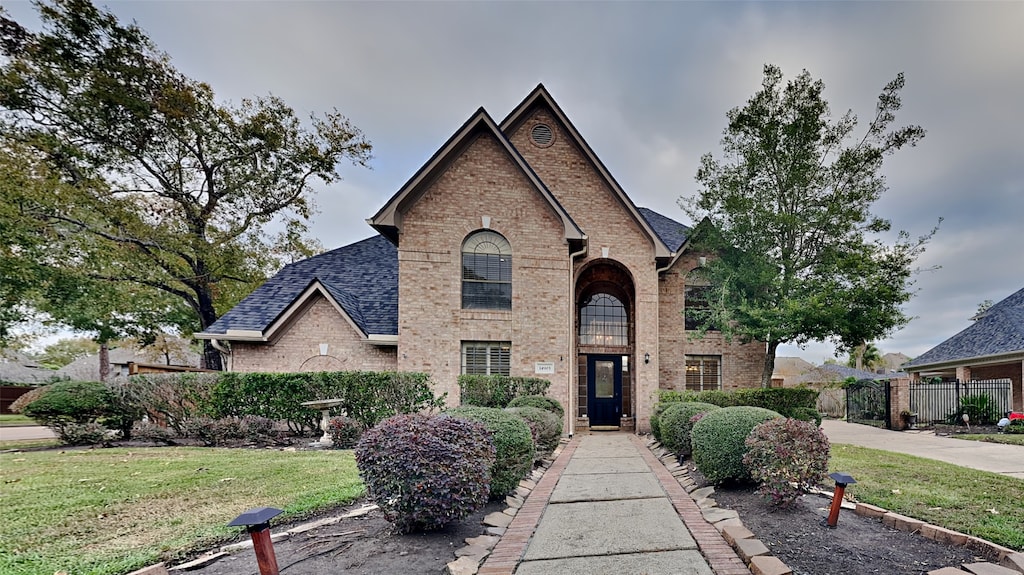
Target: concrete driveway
x,y
994,457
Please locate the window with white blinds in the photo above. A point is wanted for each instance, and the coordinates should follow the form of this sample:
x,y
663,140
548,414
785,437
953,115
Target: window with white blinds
x,y
486,358
486,271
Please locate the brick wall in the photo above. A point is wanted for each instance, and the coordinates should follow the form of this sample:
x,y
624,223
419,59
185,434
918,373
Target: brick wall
x,y
742,364
298,348
482,181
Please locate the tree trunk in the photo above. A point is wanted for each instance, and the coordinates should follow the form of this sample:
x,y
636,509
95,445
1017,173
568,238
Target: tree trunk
x,y
859,355
769,364
104,362
208,315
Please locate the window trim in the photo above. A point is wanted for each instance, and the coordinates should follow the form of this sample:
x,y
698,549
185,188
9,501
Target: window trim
x,y
487,244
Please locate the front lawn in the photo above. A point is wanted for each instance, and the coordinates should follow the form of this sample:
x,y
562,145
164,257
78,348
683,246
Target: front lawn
x,y
1007,438
980,503
110,511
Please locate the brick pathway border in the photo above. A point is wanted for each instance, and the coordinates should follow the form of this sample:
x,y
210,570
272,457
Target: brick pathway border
x,y
506,554
718,553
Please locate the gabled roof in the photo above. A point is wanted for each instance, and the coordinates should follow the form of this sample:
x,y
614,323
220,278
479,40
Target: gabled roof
x,y
997,331
361,278
388,220
540,95
672,233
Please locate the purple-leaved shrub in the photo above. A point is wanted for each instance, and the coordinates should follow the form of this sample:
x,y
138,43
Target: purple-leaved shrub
x,y
344,431
787,457
426,471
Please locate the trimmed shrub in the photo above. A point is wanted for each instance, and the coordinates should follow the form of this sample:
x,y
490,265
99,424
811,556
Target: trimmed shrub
x,y
344,431
224,430
807,414
426,471
718,441
19,405
676,425
787,457
545,427
513,445
498,390
172,398
782,400
541,401
75,403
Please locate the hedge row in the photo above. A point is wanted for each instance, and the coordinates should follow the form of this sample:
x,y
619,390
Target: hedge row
x,y
788,401
368,397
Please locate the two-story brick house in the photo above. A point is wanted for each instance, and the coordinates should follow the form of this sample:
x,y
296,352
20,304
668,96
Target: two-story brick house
x,y
513,250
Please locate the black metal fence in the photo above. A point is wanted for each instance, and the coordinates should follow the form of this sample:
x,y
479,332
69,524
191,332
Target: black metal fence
x,y
984,402
867,402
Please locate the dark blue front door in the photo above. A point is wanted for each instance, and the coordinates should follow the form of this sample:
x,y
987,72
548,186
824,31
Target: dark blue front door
x,y
604,389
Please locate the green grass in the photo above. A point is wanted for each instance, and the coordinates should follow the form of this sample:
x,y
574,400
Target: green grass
x,y
1014,439
28,443
111,511
12,419
940,493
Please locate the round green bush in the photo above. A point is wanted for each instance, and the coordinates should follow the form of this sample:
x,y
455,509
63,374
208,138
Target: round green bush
x,y
513,445
541,401
659,408
719,438
426,471
676,425
545,426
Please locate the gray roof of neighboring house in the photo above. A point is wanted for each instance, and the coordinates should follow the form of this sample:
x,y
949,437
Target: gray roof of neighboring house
x,y
363,279
999,330
671,232
24,372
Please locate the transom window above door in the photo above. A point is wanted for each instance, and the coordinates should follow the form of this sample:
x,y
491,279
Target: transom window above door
x,y
486,271
603,321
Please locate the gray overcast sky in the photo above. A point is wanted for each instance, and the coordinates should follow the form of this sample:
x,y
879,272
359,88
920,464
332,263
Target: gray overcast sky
x,y
648,85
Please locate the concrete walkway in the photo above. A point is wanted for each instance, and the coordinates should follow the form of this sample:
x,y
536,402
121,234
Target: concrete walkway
x,y
994,457
609,506
20,432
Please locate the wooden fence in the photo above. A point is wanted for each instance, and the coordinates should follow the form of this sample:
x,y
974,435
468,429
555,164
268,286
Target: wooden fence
x,y
832,402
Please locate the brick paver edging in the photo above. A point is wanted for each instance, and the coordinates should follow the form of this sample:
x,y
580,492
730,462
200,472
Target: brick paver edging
x,y
718,553
506,554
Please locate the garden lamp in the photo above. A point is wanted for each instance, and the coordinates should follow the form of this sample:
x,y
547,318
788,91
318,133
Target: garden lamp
x,y
842,480
257,523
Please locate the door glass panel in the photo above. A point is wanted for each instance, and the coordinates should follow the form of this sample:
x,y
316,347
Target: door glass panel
x,y
604,379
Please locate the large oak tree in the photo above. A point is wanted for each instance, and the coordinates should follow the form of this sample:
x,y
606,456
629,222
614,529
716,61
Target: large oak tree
x,y
801,255
163,187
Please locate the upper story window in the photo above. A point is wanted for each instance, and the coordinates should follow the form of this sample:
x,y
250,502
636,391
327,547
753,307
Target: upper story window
x,y
696,309
486,271
603,321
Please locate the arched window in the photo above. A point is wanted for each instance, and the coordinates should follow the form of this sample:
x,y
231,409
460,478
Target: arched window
x,y
603,321
486,271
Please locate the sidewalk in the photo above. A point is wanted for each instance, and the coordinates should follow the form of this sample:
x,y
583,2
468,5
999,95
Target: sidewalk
x,y
609,506
994,457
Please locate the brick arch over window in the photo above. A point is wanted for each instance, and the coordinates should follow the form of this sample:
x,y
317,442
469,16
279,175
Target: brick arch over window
x,y
486,271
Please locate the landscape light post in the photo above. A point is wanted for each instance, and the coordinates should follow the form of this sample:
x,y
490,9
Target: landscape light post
x,y
257,523
842,480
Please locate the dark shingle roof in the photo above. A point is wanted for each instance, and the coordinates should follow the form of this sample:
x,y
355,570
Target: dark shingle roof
x,y
671,232
362,277
998,330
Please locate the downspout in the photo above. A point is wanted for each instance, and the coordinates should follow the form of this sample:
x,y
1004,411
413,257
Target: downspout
x,y
570,357
226,352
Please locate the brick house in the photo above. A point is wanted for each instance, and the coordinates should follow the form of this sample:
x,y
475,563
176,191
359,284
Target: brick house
x,y
992,347
513,250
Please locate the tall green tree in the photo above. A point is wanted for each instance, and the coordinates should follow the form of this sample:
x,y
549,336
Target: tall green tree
x,y
166,188
800,255
865,355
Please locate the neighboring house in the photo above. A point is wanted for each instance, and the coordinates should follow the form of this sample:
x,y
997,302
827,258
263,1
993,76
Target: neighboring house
x,y
831,373
788,370
121,361
19,368
893,362
992,347
512,251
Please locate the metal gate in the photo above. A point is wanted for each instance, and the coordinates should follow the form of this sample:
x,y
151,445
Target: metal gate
x,y
867,402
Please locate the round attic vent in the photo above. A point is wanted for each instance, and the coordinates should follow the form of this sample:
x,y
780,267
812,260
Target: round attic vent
x,y
542,135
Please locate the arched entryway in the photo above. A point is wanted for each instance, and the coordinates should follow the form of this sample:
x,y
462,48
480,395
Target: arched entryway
x,y
605,327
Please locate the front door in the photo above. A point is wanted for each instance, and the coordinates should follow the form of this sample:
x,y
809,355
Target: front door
x,y
604,389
